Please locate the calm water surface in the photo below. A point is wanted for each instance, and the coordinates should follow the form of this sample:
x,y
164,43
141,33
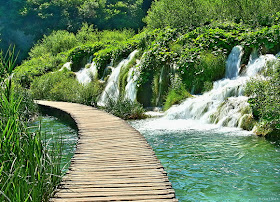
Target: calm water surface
x,y
207,163
59,133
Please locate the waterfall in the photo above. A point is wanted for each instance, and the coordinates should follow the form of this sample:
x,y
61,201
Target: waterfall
x,y
161,77
112,88
67,65
131,86
257,65
233,62
224,103
85,75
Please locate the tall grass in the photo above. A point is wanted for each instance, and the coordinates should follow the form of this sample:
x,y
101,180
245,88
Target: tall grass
x,y
28,171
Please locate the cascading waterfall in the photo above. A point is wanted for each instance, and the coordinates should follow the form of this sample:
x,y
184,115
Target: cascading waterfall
x,y
131,86
85,75
112,88
160,86
257,65
67,65
224,103
233,62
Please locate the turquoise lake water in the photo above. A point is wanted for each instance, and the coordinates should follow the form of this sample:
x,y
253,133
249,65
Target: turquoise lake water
x,y
203,162
58,132
208,163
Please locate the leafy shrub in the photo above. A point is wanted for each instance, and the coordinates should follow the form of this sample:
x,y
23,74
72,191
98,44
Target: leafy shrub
x,y
266,38
35,67
115,35
207,69
63,86
80,54
112,54
125,109
266,98
190,13
57,42
90,93
176,93
60,86
87,34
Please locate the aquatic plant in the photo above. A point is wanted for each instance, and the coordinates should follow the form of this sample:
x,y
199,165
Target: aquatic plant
x,y
125,109
28,170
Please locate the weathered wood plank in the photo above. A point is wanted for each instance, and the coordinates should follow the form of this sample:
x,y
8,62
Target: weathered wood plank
x,y
113,162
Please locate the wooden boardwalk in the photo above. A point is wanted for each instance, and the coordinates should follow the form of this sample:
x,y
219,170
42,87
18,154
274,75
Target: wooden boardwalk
x,y
113,161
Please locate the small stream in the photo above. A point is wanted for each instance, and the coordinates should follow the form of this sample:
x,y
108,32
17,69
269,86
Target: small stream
x,y
211,163
55,132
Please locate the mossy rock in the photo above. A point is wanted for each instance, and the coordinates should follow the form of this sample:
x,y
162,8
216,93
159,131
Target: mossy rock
x,y
262,129
247,122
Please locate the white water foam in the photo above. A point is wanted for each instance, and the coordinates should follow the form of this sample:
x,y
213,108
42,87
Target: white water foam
x,y
203,107
86,75
161,124
131,86
67,66
112,88
233,62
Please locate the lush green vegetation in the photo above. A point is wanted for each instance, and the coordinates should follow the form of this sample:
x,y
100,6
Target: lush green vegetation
x,y
265,100
54,50
63,86
176,93
25,21
194,13
126,109
196,57
185,40
28,170
182,50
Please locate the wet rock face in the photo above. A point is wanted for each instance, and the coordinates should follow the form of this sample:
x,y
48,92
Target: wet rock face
x,y
145,94
78,65
242,70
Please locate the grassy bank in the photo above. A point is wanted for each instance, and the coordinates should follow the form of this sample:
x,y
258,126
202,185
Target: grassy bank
x,y
28,171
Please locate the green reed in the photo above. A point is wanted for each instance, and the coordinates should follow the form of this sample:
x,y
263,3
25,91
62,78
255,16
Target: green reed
x,y
28,170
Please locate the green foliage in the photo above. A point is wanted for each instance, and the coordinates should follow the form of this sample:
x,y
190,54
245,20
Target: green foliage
x,y
29,172
89,93
207,69
266,38
177,13
36,67
177,93
112,54
63,86
24,22
124,74
56,42
125,109
80,54
53,51
192,13
265,100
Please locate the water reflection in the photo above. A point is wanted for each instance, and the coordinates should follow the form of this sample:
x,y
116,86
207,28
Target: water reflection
x,y
56,132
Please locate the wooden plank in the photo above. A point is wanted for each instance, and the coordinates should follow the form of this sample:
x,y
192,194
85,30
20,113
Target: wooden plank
x,y
113,161
119,198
